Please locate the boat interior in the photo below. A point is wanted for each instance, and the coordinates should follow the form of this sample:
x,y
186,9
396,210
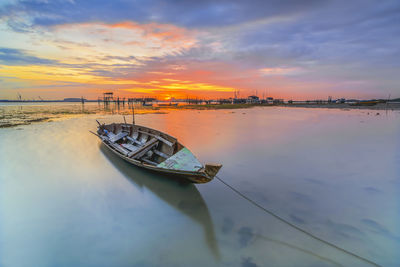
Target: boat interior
x,y
140,143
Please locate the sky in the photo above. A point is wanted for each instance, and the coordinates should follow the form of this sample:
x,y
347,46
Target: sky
x,y
292,49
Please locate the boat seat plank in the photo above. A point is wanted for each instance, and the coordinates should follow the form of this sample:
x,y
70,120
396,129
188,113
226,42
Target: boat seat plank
x,y
133,140
117,137
130,147
164,140
110,134
143,150
169,143
119,148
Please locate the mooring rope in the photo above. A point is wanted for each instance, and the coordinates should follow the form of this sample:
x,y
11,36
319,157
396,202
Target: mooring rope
x,y
295,226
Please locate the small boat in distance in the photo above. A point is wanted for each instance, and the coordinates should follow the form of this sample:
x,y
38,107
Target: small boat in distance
x,y
154,150
167,104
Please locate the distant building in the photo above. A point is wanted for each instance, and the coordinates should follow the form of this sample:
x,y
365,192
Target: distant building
x,y
239,101
225,101
269,100
253,99
278,101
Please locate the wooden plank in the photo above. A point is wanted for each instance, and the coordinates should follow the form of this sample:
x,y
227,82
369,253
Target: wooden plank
x,y
164,140
134,140
161,154
143,150
117,137
159,138
130,138
149,161
119,148
130,147
110,134
143,138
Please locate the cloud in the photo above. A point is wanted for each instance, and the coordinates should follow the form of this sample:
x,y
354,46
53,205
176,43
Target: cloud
x,y
9,56
185,13
294,48
123,39
279,71
151,31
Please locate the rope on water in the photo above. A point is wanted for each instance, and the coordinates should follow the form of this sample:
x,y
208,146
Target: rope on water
x,y
295,226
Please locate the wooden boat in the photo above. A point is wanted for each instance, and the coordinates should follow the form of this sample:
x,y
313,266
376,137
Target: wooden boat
x,y
156,151
365,103
167,104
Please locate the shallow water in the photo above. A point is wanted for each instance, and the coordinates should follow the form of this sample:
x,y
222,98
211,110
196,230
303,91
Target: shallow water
x,y
14,114
67,201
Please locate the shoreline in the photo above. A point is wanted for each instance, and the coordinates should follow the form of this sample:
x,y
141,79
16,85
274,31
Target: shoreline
x,y
14,118
379,106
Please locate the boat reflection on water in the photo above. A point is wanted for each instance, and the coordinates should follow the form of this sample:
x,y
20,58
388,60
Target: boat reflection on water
x,y
184,197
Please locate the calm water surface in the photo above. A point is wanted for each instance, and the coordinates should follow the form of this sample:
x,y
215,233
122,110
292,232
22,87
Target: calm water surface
x,y
67,201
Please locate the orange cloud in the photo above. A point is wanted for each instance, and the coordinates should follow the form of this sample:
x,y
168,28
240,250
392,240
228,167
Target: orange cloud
x,y
130,33
164,32
100,59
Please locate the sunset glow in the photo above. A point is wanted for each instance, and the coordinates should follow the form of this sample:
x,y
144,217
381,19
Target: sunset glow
x,y
48,48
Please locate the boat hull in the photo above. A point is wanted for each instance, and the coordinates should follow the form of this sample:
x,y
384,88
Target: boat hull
x,y
193,177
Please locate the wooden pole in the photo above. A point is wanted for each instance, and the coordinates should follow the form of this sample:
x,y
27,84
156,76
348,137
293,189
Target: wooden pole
x,y
133,114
